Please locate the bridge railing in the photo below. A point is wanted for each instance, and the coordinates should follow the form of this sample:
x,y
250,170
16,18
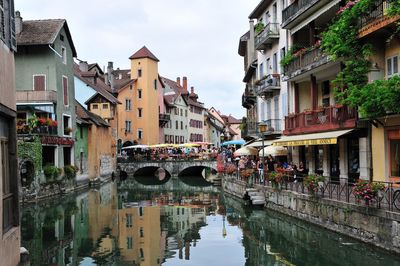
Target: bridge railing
x,y
167,157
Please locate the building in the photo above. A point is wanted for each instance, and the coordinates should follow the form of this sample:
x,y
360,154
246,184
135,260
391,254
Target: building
x,y
9,204
176,130
136,89
377,29
95,94
45,86
101,159
231,125
320,132
213,129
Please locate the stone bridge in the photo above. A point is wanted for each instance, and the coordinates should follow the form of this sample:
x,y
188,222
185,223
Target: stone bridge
x,y
171,168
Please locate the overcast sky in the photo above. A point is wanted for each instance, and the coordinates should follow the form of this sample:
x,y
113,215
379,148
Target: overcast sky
x,y
194,38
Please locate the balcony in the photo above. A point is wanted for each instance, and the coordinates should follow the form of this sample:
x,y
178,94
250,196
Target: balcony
x,y
268,85
274,126
269,34
376,19
250,130
305,62
163,119
36,96
248,100
324,119
299,10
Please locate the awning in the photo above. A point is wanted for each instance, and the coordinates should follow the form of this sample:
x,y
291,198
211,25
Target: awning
x,y
259,144
324,138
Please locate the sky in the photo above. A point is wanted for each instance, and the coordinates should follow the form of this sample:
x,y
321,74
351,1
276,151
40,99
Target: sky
x,y
194,38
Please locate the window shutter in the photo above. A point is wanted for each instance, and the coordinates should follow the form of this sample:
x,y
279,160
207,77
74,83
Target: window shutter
x,y
39,83
65,89
2,21
13,40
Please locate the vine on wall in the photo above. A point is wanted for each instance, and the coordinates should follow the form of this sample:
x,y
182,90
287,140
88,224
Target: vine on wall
x,y
31,150
340,41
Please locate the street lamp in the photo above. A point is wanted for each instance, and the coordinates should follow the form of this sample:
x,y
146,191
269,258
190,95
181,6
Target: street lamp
x,y
262,128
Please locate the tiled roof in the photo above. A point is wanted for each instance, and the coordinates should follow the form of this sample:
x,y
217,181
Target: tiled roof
x,y
119,84
124,73
169,99
43,32
87,116
144,53
233,120
100,86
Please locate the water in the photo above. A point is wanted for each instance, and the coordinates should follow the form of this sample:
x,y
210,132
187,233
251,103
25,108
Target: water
x,y
177,223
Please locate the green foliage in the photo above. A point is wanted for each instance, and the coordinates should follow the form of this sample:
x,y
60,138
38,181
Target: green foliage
x,y
70,171
289,56
340,41
259,27
51,173
311,182
32,151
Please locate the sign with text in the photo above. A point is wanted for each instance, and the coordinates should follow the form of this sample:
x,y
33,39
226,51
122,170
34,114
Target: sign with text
x,y
304,142
54,140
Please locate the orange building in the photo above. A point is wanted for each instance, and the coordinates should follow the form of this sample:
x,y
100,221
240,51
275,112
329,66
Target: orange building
x,y
137,90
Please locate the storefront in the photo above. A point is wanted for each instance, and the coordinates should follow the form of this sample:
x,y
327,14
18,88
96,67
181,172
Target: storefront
x,y
335,154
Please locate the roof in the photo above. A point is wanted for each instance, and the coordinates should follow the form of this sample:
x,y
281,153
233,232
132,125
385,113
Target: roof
x,y
176,88
124,73
230,119
242,44
119,84
43,32
144,53
95,66
100,87
250,71
260,8
85,115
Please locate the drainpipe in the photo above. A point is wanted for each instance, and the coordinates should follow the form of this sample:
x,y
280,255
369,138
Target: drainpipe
x,y
51,48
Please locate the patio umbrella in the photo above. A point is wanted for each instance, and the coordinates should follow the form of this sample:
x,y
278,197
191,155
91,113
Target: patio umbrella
x,y
139,146
188,145
274,151
244,151
234,142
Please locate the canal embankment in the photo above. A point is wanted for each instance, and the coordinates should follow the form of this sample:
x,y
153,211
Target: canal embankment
x,y
378,227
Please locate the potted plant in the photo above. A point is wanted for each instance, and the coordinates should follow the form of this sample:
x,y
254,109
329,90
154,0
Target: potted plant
x,y
313,183
67,130
259,27
367,191
275,179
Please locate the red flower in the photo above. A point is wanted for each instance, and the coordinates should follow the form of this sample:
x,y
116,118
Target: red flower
x,y
42,121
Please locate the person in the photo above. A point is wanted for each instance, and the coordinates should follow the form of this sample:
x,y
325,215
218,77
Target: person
x,y
260,167
270,163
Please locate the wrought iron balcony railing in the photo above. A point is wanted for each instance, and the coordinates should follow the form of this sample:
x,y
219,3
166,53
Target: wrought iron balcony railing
x,y
267,36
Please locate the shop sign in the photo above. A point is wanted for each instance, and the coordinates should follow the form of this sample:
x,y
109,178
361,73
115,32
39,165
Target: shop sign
x,y
54,140
304,142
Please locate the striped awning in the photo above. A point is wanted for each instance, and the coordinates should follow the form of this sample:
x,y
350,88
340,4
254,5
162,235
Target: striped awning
x,y
324,138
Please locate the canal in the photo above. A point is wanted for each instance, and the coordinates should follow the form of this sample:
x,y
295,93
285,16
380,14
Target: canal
x,y
180,222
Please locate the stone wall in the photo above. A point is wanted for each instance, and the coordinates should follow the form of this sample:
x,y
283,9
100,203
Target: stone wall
x,y
374,226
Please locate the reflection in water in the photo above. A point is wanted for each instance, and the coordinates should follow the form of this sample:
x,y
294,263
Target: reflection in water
x,y
173,223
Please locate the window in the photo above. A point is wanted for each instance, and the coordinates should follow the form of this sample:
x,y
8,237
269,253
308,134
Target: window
x,y
105,106
64,55
39,82
176,124
8,196
141,232
275,63
325,93
261,74
2,21
67,125
128,125
65,89
139,94
155,84
130,87
140,113
282,55
140,211
181,124
95,106
141,253
128,220
176,139
140,133
186,113
268,66
166,138
181,112
392,66
128,105
181,138
129,242
61,37
139,73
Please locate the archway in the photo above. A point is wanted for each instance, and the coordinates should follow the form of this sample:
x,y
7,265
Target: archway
x,y
27,172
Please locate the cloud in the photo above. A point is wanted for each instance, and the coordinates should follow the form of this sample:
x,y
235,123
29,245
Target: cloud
x,y
197,38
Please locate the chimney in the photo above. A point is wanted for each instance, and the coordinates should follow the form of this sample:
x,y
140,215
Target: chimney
x,y
110,75
18,22
184,84
178,80
192,90
83,66
106,81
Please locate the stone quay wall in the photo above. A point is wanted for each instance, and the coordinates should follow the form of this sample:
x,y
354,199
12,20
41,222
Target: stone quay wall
x,y
377,227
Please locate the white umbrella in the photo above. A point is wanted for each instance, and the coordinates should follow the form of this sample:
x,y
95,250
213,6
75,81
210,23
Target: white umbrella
x,y
274,151
139,146
244,151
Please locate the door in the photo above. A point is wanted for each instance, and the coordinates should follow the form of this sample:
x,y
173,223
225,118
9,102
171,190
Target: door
x,y
394,155
334,162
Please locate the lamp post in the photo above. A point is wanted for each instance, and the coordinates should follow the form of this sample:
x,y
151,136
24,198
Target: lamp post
x,y
262,127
